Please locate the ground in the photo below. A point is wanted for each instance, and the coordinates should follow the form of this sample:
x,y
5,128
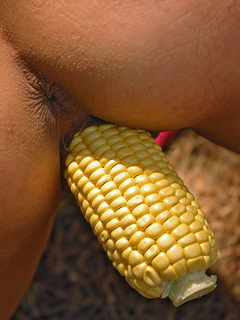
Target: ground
x,y
75,280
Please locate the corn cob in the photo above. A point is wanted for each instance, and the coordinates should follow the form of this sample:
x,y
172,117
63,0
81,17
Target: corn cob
x,y
147,221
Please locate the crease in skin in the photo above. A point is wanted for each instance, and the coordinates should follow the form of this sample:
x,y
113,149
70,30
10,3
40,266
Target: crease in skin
x,y
93,67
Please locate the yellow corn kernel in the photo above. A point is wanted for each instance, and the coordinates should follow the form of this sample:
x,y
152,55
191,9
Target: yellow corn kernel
x,y
150,225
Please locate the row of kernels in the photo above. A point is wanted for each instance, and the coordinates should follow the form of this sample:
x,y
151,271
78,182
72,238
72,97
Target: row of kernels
x,y
117,233
172,264
142,180
139,269
95,144
127,220
135,201
88,213
84,161
118,203
195,264
126,184
161,183
122,212
115,139
175,253
72,168
135,258
107,187
101,207
192,251
90,134
178,209
92,194
107,215
98,228
112,195
151,199
108,130
88,186
103,237
145,221
106,156
112,224
94,219
138,146
154,231
121,244
157,177
102,151
196,226
170,201
80,151
119,145
108,164
187,218
151,253
134,171
117,257
171,223
130,161
157,208
151,168
105,178
180,231
152,277
165,241
82,182
145,244
142,153
159,159
136,238
134,139
118,168
131,192
163,216
130,230
146,161
161,261
121,177
147,189
73,188
169,271
75,141
139,210
125,152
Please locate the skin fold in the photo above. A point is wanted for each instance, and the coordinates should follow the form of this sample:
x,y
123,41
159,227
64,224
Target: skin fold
x,y
158,65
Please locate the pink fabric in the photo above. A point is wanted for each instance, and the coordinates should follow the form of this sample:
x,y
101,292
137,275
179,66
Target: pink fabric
x,y
164,136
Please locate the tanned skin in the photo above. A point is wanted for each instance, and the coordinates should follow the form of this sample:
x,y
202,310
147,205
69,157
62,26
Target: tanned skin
x,y
157,65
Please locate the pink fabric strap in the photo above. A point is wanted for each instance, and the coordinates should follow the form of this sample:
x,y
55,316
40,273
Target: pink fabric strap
x,y
164,136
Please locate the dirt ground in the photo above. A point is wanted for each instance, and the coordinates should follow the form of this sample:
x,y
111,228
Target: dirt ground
x,y
75,280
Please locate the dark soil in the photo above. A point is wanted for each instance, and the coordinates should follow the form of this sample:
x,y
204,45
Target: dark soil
x,y
75,280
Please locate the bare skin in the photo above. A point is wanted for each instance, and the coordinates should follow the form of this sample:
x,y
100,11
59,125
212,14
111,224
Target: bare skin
x,y
158,65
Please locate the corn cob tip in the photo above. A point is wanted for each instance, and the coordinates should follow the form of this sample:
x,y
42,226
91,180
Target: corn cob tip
x,y
190,286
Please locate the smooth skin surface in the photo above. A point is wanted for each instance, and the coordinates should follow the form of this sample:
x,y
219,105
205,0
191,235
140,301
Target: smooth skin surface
x,y
158,65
